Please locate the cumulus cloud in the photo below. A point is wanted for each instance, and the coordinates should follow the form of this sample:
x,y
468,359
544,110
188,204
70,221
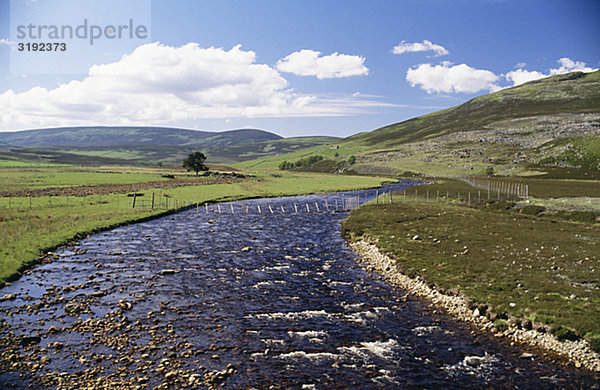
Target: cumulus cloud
x,y
520,76
568,65
162,84
411,47
312,63
450,78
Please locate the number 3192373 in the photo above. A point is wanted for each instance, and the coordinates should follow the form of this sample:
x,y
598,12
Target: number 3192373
x,y
34,46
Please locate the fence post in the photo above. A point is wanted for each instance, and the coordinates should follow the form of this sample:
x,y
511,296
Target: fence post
x,y
134,196
391,202
152,201
377,197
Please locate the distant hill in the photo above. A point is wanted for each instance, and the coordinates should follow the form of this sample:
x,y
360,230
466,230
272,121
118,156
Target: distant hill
x,y
144,145
117,136
575,92
244,152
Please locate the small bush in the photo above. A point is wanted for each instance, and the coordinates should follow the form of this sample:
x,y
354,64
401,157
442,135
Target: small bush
x,y
501,325
500,205
562,333
594,340
303,162
532,210
351,160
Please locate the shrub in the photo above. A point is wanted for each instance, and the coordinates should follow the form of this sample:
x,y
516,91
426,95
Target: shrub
x,y
303,162
562,333
532,210
501,325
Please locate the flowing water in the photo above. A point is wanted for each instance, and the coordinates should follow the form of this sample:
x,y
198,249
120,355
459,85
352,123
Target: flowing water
x,y
275,296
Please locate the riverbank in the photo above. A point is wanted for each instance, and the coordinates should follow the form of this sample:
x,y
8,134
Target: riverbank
x,y
577,352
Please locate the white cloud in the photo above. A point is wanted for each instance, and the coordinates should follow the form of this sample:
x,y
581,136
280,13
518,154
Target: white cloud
x,y
408,47
567,65
521,76
162,84
311,63
447,78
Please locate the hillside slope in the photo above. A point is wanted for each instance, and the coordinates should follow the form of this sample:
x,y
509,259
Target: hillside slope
x,y
575,92
118,136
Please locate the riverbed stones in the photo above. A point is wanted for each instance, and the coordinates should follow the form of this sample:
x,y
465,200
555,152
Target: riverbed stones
x,y
8,297
74,307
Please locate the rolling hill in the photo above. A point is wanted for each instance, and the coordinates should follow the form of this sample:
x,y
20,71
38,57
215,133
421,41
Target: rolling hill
x,y
116,136
543,125
575,92
106,145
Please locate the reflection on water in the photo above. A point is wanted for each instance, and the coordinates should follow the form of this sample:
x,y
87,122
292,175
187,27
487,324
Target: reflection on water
x,y
277,296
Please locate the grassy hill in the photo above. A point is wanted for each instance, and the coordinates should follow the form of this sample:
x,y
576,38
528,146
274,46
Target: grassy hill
x,y
552,124
575,92
117,136
144,145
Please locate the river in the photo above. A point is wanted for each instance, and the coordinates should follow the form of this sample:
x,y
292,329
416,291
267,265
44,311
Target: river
x,y
246,300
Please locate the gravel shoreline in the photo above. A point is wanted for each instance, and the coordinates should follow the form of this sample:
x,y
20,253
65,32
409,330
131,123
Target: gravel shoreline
x,y
577,352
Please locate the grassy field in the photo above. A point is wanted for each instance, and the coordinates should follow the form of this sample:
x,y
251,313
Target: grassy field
x,y
544,269
35,177
30,225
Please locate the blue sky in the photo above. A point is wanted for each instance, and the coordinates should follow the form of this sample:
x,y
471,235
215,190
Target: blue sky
x,y
292,67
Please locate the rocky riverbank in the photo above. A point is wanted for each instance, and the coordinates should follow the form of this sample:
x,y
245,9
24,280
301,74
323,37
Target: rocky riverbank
x,y
577,352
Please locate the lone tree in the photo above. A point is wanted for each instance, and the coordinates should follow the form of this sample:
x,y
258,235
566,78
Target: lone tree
x,y
195,162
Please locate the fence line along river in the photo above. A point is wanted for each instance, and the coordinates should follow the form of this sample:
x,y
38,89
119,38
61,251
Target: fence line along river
x,y
256,300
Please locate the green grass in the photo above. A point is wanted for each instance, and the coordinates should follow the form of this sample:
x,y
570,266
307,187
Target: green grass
x,y
581,152
43,177
546,270
51,221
